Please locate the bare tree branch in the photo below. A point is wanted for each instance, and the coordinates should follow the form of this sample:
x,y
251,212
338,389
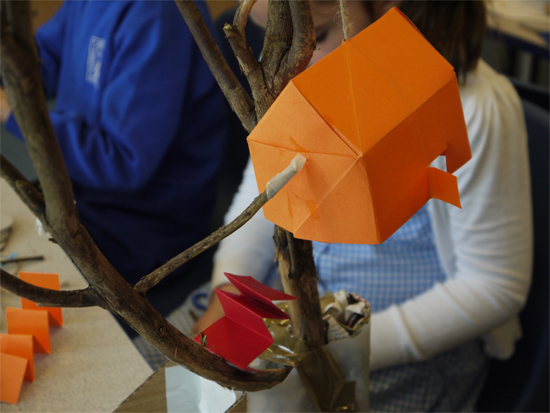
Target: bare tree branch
x,y
193,356
288,46
241,15
153,278
299,278
237,39
240,101
277,42
303,39
23,84
21,78
50,298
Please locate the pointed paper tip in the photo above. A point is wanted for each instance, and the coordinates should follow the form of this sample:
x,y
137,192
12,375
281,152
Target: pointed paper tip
x,y
247,285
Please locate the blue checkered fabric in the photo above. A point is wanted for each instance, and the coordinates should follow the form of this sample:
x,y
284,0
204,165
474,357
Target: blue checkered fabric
x,y
450,382
401,268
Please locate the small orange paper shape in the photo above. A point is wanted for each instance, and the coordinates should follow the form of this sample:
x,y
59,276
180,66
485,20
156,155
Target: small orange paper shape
x,y
21,346
370,118
44,280
33,322
12,371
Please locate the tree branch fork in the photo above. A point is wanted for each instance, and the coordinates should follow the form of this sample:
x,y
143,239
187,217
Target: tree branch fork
x,y
288,46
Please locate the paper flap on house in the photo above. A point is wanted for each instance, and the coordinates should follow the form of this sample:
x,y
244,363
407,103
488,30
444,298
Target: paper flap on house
x,y
241,335
370,118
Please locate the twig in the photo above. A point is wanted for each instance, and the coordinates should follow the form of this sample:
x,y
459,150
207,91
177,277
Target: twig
x,y
299,278
153,278
277,43
303,41
288,46
237,38
21,77
23,84
241,15
273,187
47,297
240,101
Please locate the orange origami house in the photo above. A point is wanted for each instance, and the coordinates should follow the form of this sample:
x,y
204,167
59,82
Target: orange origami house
x,y
370,118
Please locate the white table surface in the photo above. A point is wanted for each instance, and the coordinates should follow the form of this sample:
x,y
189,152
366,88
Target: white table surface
x,y
93,366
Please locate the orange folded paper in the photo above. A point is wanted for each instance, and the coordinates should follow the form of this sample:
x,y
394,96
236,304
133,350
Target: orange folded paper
x,y
33,322
21,346
370,118
12,370
44,280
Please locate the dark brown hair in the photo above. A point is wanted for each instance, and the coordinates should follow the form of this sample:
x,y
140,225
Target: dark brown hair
x,y
456,28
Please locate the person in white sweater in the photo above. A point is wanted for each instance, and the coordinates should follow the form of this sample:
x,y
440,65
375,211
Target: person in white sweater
x,y
446,288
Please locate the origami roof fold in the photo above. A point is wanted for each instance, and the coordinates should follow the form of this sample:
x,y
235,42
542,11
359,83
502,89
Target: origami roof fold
x,y
370,118
241,335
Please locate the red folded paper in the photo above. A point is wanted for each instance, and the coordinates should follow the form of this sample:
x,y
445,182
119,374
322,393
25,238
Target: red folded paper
x,y
241,335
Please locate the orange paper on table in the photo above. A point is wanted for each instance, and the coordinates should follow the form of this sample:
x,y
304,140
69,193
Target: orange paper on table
x,y
370,118
33,322
12,371
19,345
44,280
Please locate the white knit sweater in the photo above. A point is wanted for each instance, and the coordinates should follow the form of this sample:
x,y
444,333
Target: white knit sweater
x,y
485,248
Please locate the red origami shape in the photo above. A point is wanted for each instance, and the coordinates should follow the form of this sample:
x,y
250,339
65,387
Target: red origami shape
x,y
241,335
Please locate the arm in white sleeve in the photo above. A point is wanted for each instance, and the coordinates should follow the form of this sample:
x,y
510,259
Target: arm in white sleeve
x,y
485,248
249,250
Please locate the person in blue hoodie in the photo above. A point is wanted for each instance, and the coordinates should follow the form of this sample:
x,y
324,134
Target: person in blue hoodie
x,y
141,124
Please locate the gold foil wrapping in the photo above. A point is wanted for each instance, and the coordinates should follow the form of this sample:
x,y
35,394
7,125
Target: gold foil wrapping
x,y
322,377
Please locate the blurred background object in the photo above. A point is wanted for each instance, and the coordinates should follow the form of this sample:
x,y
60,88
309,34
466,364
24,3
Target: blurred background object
x,y
521,384
517,39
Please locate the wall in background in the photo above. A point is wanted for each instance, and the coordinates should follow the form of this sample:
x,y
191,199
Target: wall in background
x,y
42,10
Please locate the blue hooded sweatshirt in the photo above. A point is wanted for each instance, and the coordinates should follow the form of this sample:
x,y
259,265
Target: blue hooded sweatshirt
x,y
141,124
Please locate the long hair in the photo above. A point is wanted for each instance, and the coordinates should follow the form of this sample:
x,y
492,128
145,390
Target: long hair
x,y
456,28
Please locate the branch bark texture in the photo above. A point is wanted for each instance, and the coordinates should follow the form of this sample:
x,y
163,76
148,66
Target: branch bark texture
x,y
23,84
237,97
47,297
160,273
21,78
288,47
